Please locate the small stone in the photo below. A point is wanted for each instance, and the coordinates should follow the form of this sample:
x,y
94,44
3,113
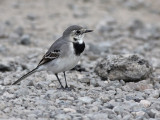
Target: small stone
x,y
69,110
145,103
3,49
110,106
7,81
99,116
62,117
2,105
139,113
8,95
155,94
105,98
2,89
31,17
135,24
157,116
4,67
25,40
86,100
93,109
19,30
152,113
7,110
22,92
32,117
94,82
85,80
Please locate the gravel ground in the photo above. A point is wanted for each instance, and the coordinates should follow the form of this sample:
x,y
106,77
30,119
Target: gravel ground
x,y
106,84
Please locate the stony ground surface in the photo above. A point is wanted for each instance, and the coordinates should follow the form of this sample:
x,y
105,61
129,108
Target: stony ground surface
x,y
28,28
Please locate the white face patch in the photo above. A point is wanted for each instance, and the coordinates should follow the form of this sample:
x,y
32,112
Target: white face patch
x,y
79,38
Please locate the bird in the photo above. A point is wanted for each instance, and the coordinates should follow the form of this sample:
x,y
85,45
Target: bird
x,y
63,54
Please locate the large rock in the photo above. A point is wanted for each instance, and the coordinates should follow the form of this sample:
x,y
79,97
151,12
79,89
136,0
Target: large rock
x,y
124,67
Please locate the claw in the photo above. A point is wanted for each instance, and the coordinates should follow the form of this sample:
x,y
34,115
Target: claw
x,y
68,88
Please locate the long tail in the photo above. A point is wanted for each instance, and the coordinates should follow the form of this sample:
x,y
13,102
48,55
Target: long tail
x,y
26,75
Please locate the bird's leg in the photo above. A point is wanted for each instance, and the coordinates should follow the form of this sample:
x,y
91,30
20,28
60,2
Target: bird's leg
x,y
59,80
66,87
65,80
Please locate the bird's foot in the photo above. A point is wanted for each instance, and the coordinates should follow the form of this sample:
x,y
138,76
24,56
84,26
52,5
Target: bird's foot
x,y
68,88
65,88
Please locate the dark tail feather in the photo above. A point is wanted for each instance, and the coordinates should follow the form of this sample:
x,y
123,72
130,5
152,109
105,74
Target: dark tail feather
x,y
26,75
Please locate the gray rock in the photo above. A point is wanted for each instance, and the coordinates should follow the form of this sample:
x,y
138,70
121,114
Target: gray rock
x,y
152,113
25,40
124,67
156,105
32,117
5,67
99,116
19,30
22,92
7,81
86,99
85,80
119,110
155,94
62,117
8,95
135,24
128,117
145,103
134,5
2,89
31,17
3,49
7,110
157,116
2,105
104,98
94,82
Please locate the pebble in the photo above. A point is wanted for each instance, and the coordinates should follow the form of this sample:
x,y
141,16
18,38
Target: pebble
x,y
4,67
69,110
25,40
155,94
145,103
85,80
19,30
3,48
105,98
2,105
22,91
62,117
86,99
31,17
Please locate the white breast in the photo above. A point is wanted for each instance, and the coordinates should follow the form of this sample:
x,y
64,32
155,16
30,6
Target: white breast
x,y
63,63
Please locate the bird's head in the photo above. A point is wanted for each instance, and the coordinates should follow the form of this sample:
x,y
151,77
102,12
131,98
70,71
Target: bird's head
x,y
75,33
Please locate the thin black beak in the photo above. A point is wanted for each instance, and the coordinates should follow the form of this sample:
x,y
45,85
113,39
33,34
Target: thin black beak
x,y
86,31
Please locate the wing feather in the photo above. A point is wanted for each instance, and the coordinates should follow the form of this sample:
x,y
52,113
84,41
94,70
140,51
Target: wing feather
x,y
49,57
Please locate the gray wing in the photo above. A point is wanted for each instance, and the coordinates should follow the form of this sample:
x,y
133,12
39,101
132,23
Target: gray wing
x,y
55,51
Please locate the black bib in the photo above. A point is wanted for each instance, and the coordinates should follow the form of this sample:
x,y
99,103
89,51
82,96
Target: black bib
x,y
78,48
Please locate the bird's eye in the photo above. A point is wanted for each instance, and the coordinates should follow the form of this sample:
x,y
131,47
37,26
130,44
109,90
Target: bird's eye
x,y
78,32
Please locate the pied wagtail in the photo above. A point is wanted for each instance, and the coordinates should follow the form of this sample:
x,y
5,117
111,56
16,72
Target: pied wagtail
x,y
63,54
